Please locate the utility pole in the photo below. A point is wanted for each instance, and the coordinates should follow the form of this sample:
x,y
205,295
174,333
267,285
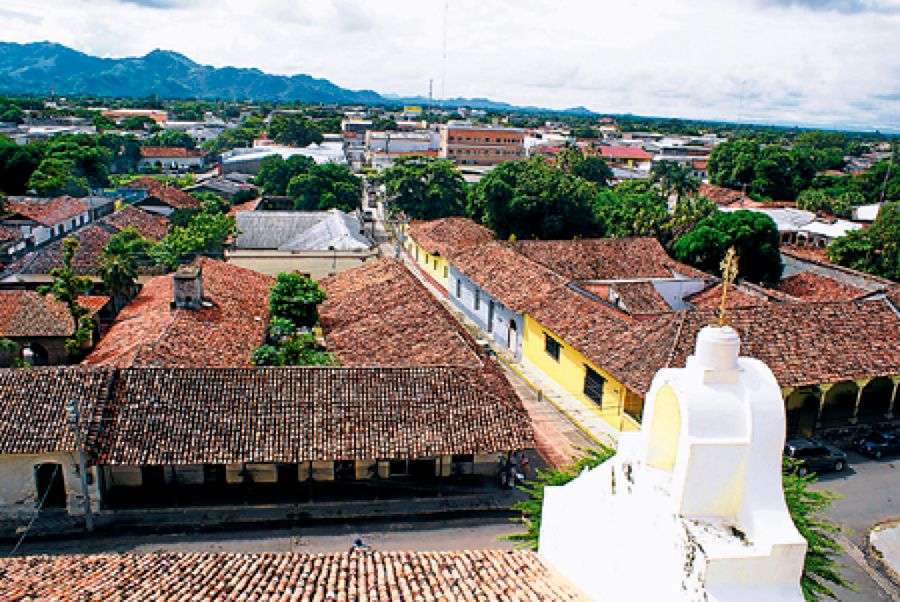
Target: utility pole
x,y
74,419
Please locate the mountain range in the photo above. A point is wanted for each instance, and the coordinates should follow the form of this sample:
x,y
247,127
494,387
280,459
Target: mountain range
x,y
37,67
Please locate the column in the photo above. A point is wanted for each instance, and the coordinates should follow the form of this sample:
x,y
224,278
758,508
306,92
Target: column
x,y
824,388
890,412
860,385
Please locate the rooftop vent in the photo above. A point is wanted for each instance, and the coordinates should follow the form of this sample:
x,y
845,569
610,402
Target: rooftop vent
x,y
188,287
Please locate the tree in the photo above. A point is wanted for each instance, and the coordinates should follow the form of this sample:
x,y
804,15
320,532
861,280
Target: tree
x,y
172,138
298,350
137,123
296,298
294,130
770,171
674,179
17,164
633,208
241,137
119,273
102,122
129,243
324,187
55,177
425,188
245,194
877,250
593,169
533,199
66,288
204,235
753,236
685,217
804,505
385,125
124,151
275,173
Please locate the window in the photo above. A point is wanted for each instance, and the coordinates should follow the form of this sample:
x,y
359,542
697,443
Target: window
x,y
490,318
593,386
445,272
458,288
344,470
153,475
435,264
477,299
213,474
552,346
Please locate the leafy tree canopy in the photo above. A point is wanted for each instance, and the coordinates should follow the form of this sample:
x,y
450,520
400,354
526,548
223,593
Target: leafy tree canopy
x,y
17,164
205,234
877,250
533,199
324,187
425,188
275,173
67,287
137,123
296,298
767,171
172,138
753,236
294,130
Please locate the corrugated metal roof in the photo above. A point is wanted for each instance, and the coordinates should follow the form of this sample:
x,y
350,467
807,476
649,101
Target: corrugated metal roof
x,y
299,231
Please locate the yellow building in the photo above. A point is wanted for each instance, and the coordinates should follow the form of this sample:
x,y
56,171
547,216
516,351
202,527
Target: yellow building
x,y
430,243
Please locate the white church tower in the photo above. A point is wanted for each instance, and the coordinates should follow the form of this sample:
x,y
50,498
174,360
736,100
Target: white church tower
x,y
691,507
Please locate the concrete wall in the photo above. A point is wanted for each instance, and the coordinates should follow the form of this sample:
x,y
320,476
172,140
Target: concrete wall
x,y
503,319
569,373
434,266
18,485
316,264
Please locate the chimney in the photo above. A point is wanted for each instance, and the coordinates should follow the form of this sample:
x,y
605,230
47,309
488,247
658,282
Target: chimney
x,y
188,287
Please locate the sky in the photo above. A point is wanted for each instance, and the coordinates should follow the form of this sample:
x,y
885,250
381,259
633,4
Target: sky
x,y
816,63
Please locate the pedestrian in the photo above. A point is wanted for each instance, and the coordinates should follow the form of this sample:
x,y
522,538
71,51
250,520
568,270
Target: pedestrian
x,y
523,466
358,545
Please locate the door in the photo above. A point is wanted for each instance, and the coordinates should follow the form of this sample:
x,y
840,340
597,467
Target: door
x,y
593,386
50,485
512,337
490,318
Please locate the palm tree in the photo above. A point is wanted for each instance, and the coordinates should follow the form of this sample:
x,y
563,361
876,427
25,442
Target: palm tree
x,y
675,178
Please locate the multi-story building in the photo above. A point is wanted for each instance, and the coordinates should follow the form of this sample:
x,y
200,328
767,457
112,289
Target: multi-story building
x,y
469,144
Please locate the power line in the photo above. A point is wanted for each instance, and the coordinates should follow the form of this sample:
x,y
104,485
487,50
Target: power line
x,y
36,514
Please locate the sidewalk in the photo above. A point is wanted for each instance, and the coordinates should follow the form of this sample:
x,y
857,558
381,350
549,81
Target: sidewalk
x,y
884,541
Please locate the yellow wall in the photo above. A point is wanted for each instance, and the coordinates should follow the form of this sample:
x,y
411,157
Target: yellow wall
x,y
569,372
433,265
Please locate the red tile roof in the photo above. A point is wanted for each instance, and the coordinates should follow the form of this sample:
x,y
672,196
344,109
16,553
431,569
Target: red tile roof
x,y
380,315
605,258
816,257
8,234
506,275
151,152
145,182
166,416
28,314
92,239
33,413
810,286
735,199
172,197
623,152
711,298
638,298
148,332
247,206
377,577
451,234
49,212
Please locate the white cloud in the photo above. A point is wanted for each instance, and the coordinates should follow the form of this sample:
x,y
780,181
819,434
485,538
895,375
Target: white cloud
x,y
822,63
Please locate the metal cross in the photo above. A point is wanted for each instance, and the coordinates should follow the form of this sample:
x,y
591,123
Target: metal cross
x,y
729,273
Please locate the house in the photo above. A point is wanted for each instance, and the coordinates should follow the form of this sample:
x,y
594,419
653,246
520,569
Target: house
x,y
164,200
431,243
40,325
171,158
314,243
33,268
812,259
40,220
468,144
622,156
224,186
210,314
12,242
519,576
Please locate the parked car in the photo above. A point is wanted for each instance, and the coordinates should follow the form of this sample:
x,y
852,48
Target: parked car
x,y
809,455
878,444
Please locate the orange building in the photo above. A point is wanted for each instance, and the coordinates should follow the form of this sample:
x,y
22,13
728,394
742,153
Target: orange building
x,y
468,144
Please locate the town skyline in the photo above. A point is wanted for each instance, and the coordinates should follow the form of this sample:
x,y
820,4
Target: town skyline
x,y
764,62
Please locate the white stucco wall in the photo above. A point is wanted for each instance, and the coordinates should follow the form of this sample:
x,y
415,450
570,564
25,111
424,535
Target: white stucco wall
x,y
499,331
18,485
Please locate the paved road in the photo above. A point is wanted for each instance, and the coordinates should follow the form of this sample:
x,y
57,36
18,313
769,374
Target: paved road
x,y
465,534
870,491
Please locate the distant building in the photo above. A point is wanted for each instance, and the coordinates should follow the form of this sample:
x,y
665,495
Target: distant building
x,y
469,144
172,158
43,219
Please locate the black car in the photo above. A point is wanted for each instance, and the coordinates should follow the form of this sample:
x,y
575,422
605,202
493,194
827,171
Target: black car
x,y
878,444
809,455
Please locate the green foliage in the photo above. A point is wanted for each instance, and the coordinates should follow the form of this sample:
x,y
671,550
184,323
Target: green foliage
x,y
806,506
675,179
241,137
296,298
11,114
299,350
10,348
172,138
17,164
633,208
294,130
425,188
275,173
324,187
66,288
585,132
280,327
877,250
137,123
385,125
593,169
244,195
118,271
533,199
55,177
819,201
770,171
102,122
204,235
71,165
124,151
753,236
532,508
129,243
